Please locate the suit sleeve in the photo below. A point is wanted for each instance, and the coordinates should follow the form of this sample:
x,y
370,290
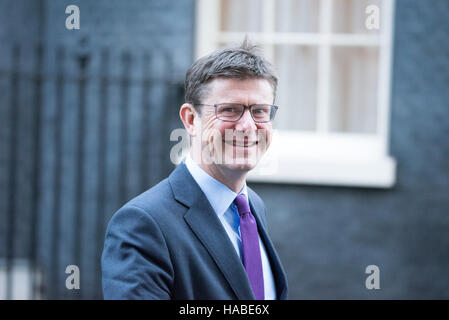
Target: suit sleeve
x,y
135,261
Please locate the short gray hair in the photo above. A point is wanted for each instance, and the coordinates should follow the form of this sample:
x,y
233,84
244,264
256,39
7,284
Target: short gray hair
x,y
244,62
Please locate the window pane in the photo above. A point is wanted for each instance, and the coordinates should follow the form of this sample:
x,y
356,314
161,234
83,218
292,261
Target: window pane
x,y
241,15
349,16
353,96
296,67
297,15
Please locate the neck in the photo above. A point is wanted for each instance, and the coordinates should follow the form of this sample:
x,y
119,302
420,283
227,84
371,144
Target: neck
x,y
234,180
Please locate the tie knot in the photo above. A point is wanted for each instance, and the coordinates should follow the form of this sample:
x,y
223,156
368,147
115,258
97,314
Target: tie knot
x,y
242,204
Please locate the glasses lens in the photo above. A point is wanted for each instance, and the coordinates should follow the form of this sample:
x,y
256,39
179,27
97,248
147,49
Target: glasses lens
x,y
262,112
229,111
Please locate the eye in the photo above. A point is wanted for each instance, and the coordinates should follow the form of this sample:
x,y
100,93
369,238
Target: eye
x,y
228,109
260,111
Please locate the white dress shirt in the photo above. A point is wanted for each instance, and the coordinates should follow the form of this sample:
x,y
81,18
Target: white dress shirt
x,y
221,199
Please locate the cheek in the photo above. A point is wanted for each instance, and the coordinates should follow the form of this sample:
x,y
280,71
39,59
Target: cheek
x,y
265,132
213,130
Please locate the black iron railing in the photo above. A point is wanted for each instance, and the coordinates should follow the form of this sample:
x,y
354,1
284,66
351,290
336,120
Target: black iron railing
x,y
95,129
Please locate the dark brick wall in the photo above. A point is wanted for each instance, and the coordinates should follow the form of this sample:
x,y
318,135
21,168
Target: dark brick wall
x,y
123,27
164,29
327,236
20,22
132,25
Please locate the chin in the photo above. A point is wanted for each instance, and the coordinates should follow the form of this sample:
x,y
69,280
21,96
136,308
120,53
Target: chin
x,y
241,167
242,164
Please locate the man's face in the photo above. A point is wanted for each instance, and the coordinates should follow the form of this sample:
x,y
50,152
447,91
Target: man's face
x,y
233,145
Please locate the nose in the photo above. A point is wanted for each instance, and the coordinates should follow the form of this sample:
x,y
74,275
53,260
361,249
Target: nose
x,y
246,122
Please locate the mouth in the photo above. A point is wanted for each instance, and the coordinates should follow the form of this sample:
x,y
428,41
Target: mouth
x,y
245,144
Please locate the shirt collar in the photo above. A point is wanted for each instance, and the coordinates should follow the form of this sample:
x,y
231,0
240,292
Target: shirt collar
x,y
220,196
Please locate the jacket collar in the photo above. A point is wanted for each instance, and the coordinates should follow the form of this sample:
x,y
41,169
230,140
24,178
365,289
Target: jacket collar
x,y
207,227
203,221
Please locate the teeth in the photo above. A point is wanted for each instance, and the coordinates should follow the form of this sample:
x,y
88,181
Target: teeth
x,y
241,144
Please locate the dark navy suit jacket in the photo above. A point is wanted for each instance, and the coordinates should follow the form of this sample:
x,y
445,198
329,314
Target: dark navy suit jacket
x,y
168,243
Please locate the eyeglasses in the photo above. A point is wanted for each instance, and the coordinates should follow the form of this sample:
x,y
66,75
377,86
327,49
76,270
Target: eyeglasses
x,y
232,112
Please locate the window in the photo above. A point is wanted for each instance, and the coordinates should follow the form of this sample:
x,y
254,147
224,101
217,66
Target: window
x,y
332,127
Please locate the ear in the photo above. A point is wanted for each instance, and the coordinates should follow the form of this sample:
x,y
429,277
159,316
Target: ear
x,y
187,113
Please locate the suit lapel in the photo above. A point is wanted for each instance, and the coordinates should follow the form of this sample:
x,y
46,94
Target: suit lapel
x,y
207,227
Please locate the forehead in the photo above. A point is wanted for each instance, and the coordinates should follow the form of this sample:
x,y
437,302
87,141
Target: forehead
x,y
240,91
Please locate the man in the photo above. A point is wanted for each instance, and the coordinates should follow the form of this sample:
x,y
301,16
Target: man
x,y
201,233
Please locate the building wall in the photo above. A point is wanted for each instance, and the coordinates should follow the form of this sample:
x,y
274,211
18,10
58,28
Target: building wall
x,y
327,236
19,23
126,25
123,28
69,233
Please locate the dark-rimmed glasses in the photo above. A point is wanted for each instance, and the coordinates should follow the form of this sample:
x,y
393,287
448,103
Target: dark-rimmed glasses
x,y
261,113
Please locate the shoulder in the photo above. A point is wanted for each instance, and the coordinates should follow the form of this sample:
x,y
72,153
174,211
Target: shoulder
x,y
155,204
153,198
136,246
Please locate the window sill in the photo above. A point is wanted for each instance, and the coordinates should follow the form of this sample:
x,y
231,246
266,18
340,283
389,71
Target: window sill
x,y
356,160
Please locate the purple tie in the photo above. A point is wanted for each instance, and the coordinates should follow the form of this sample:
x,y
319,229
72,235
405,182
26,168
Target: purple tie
x,y
250,244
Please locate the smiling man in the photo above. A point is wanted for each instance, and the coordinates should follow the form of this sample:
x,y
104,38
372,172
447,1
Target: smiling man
x,y
230,137
201,233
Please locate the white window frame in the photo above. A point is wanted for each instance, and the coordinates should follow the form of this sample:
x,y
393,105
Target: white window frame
x,y
320,157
